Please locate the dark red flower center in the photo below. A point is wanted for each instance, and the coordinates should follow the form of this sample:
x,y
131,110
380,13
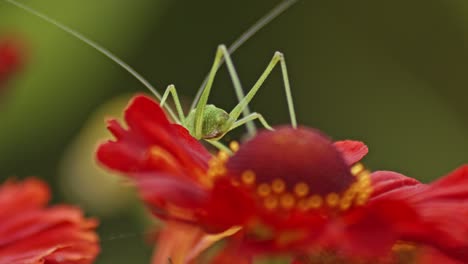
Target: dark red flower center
x,y
297,168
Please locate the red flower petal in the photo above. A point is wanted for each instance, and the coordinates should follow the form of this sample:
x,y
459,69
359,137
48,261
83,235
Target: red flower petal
x,y
148,128
352,151
394,184
143,110
387,218
230,255
126,155
156,189
452,186
146,119
433,256
442,206
34,234
176,242
227,206
30,194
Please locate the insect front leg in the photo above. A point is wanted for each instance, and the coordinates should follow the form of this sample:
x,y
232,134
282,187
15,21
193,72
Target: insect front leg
x,y
171,90
200,108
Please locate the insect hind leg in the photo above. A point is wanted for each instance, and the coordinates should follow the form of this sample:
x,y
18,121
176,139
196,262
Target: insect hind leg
x,y
278,57
251,129
250,118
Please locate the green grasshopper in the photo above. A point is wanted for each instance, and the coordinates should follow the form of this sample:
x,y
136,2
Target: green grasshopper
x,y
206,121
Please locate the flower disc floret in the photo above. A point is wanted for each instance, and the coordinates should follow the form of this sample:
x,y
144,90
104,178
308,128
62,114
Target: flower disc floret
x,y
298,169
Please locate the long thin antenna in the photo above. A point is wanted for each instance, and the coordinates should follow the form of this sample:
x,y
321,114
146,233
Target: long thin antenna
x,y
99,48
261,23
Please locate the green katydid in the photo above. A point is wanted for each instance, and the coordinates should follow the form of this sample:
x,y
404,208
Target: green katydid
x,y
210,122
206,121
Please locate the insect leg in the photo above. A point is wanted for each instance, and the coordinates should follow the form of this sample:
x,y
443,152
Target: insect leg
x,y
171,90
250,118
200,108
238,88
219,146
278,57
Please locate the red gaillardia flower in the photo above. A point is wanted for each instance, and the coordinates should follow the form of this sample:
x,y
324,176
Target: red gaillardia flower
x,y
11,58
31,233
290,191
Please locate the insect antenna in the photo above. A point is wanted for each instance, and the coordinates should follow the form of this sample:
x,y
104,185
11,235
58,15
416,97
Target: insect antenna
x,y
99,48
261,23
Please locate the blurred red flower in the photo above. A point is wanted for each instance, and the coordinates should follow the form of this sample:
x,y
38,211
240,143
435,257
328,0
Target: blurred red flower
x,y
287,191
34,234
11,58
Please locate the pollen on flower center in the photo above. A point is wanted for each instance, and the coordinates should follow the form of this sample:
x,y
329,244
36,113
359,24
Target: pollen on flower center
x,y
217,168
298,168
275,195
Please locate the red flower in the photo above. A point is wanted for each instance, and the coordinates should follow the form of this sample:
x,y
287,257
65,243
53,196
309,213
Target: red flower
x,y
33,234
10,58
288,190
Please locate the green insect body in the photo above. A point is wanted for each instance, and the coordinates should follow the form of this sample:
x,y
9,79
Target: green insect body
x,y
215,122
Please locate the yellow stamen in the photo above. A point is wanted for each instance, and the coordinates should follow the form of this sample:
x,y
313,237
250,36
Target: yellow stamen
x,y
287,201
363,196
234,146
356,169
345,204
332,199
301,189
315,201
278,186
263,190
223,155
248,177
350,193
271,202
216,167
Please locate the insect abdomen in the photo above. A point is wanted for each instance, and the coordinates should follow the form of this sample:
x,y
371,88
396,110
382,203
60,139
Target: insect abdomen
x,y
213,124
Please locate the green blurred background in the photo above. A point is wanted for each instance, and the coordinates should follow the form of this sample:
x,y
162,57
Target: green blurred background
x,y
390,73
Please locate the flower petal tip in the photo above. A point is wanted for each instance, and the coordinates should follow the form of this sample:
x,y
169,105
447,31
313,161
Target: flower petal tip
x,y
352,151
